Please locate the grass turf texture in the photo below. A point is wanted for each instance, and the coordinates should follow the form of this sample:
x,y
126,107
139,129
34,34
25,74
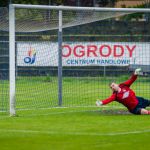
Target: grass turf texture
x,y
71,128
40,92
75,130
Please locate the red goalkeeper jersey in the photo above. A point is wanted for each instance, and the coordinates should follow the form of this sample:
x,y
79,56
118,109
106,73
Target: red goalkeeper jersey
x,y
126,96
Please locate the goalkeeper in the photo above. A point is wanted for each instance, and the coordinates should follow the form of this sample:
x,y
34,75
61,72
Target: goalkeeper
x,y
124,95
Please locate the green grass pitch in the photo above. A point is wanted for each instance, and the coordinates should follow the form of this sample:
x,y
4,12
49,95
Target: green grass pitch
x,y
72,128
75,130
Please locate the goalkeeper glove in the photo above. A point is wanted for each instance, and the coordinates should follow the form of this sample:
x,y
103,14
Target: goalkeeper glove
x,y
137,71
98,103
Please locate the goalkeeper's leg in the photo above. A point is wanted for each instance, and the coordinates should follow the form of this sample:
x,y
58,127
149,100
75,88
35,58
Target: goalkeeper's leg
x,y
140,111
145,112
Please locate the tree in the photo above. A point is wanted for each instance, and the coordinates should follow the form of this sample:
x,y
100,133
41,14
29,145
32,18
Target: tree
x,y
103,2
87,3
70,2
4,3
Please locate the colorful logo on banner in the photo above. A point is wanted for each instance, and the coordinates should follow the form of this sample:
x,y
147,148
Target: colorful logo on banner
x,y
30,59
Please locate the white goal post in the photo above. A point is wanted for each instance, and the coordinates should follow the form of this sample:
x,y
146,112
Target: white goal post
x,y
13,30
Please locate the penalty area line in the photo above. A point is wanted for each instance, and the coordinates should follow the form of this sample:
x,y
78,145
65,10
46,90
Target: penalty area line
x,y
75,133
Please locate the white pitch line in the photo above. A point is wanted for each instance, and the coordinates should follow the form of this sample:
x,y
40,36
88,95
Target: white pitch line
x,y
75,133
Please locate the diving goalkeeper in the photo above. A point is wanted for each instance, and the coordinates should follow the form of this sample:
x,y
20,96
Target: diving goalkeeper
x,y
126,96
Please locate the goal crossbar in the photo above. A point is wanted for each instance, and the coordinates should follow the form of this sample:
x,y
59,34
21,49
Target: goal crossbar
x,y
82,8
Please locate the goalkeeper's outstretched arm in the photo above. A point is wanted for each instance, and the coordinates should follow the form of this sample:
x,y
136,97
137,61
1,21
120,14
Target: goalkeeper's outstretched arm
x,y
106,101
132,78
137,71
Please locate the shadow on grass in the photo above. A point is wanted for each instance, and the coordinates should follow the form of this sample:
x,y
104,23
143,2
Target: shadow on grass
x,y
112,112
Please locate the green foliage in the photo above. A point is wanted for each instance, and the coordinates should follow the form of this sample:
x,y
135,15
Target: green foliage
x,y
135,16
5,3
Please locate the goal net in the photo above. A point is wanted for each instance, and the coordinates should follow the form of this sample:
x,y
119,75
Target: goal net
x,y
4,62
67,56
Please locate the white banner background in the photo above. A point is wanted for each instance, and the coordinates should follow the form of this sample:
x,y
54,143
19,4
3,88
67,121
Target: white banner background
x,y
83,53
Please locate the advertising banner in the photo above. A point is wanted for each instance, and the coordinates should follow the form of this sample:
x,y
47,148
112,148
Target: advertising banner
x,y
83,53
